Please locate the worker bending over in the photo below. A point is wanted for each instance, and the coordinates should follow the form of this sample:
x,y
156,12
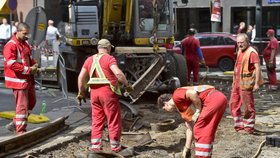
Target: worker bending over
x,y
210,106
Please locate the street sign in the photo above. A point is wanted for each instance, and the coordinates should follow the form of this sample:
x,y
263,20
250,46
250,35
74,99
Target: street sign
x,y
273,1
12,5
37,20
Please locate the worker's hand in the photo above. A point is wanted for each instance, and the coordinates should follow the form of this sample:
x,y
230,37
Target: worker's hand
x,y
129,88
34,70
186,153
36,65
202,62
195,115
81,96
39,70
271,65
256,87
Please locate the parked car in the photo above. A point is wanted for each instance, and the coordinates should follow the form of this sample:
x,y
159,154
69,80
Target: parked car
x,y
218,49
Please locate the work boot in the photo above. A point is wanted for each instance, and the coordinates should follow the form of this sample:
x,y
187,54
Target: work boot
x,y
11,127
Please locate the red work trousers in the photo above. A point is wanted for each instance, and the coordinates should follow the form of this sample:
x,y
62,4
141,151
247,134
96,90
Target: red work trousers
x,y
25,102
245,97
105,105
193,66
271,73
205,128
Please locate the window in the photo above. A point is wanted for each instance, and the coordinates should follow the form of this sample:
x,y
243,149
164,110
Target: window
x,y
207,40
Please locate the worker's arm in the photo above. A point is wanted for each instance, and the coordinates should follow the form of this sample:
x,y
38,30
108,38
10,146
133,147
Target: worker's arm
x,y
271,65
193,96
258,76
200,55
10,53
83,74
119,74
81,94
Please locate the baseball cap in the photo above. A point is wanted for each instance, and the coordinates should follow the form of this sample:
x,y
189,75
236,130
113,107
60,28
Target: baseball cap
x,y
270,32
104,43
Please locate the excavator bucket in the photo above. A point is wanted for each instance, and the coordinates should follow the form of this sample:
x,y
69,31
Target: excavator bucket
x,y
145,81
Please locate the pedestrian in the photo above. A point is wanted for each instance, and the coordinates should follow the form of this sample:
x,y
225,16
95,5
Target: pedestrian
x,y
14,27
104,74
241,28
253,33
5,30
250,32
56,46
51,33
19,70
210,105
247,78
193,55
269,54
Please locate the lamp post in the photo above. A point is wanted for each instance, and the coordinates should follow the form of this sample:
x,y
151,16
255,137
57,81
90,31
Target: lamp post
x,y
215,11
258,18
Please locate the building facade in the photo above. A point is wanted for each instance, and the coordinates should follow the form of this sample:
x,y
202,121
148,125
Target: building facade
x,y
197,13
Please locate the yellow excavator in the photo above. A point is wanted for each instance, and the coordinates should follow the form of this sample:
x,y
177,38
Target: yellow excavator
x,y
139,30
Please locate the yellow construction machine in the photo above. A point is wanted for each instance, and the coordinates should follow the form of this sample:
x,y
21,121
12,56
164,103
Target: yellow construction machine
x,y
138,29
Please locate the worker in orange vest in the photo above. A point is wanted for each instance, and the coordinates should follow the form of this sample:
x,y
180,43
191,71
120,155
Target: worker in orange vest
x,y
210,105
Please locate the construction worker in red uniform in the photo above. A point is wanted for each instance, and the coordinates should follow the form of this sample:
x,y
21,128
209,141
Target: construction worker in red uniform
x,y
19,70
104,74
193,54
210,105
247,78
269,54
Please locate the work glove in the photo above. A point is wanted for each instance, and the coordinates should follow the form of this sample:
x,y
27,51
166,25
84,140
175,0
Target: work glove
x,y
186,153
129,88
34,70
271,65
195,115
202,62
81,96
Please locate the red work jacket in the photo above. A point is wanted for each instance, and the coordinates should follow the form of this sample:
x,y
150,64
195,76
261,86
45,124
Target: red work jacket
x,y
17,62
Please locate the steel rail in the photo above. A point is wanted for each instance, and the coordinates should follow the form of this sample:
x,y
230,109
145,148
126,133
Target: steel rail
x,y
30,138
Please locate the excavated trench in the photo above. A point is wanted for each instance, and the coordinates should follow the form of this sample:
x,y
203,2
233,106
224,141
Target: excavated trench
x,y
156,133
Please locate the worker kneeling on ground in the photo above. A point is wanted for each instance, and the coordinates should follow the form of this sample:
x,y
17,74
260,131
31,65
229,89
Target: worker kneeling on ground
x,y
104,76
210,106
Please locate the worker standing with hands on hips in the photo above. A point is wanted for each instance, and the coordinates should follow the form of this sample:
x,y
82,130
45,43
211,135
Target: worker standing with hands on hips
x,y
269,54
193,55
247,78
104,75
210,105
19,70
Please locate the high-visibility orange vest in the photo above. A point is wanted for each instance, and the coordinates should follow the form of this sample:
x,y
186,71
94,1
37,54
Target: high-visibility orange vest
x,y
247,77
101,79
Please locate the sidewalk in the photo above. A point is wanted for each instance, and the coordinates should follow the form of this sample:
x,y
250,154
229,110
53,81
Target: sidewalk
x,y
219,74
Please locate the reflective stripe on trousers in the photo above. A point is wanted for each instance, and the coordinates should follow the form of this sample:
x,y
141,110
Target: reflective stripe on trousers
x,y
25,102
96,144
246,98
206,126
105,106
